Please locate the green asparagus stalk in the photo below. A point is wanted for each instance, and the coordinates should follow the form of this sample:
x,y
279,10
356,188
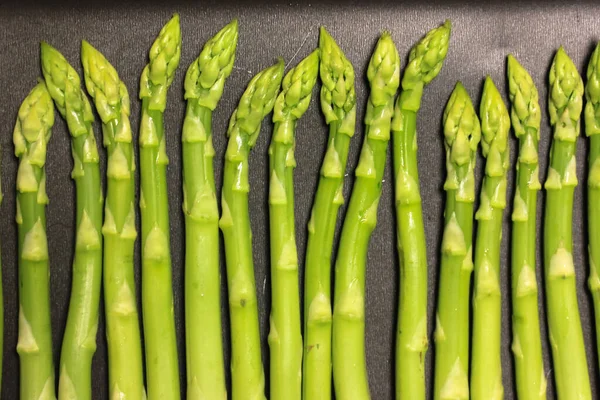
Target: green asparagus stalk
x,y
79,342
527,345
566,337
110,96
160,341
592,130
338,103
204,84
349,366
424,63
31,135
285,336
486,363
247,375
461,138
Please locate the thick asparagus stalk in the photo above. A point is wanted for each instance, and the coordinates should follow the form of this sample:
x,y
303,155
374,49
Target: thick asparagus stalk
x,y
160,341
338,103
247,375
204,84
349,366
424,64
486,364
566,337
285,336
125,374
527,346
31,135
592,130
79,342
461,138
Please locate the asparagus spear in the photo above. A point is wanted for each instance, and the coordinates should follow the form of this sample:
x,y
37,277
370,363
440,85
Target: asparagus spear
x,y
486,364
338,103
160,341
31,135
461,138
204,84
285,337
527,347
566,337
247,376
349,367
111,99
79,342
424,63
592,130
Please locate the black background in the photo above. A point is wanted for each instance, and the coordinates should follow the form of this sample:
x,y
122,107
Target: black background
x,y
482,36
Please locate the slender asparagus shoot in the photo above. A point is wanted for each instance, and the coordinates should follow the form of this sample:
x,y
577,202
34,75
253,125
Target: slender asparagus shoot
x,y
592,130
247,375
349,366
566,337
527,346
160,339
110,96
79,341
338,104
424,63
462,133
486,362
31,135
285,336
204,83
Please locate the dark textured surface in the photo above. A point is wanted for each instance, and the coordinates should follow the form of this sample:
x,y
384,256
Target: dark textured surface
x,y
481,38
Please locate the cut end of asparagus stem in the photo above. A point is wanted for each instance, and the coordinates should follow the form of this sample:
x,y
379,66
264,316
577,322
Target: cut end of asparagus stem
x,y
338,97
206,76
461,126
592,94
296,89
256,102
565,96
525,111
164,60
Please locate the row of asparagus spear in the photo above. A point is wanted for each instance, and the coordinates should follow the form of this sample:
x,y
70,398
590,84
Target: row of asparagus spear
x,y
333,342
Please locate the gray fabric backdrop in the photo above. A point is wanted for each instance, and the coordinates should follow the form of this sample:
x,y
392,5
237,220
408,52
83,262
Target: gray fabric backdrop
x,y
482,37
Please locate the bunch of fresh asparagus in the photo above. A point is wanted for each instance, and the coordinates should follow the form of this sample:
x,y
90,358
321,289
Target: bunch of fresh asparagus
x,y
333,349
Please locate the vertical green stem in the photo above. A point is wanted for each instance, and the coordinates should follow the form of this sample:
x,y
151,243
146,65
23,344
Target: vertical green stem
x,y
411,337
205,365
162,367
